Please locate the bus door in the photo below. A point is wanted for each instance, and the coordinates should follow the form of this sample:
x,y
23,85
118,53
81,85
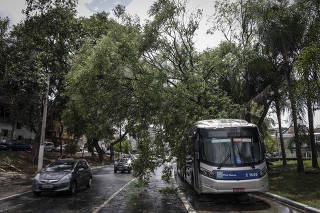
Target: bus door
x,y
196,165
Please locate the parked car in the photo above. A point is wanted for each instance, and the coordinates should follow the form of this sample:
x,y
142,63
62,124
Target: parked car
x,y
4,146
123,164
58,148
16,145
63,175
48,146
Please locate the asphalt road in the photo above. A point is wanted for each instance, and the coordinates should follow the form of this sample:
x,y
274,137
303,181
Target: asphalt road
x,y
232,203
105,183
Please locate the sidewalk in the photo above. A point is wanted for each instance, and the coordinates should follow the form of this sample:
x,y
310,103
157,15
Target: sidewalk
x,y
146,199
13,183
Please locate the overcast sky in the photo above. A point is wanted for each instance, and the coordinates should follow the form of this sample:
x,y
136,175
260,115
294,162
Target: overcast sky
x,y
13,8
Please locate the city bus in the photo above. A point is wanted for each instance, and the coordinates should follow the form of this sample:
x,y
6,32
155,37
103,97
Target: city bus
x,y
224,156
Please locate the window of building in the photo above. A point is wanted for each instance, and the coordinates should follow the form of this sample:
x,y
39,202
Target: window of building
x,y
4,132
19,125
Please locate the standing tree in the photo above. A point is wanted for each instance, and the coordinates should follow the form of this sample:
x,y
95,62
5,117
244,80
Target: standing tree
x,y
281,29
49,32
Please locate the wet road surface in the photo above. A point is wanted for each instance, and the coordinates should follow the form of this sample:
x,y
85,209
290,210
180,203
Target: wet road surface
x,y
244,203
149,199
104,184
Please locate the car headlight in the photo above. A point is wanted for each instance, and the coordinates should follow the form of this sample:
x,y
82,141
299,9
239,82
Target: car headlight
x,y
65,178
263,171
207,173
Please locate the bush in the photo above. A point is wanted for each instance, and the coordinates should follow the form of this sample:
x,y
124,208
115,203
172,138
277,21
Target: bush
x,y
166,174
125,147
71,148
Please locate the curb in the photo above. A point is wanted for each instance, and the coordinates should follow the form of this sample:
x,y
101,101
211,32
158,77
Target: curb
x,y
184,200
289,202
182,196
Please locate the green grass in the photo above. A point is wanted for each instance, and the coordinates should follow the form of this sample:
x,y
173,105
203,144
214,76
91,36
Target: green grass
x,y
303,188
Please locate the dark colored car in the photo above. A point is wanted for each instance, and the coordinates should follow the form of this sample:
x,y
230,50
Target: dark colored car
x,y
123,164
19,145
4,146
63,175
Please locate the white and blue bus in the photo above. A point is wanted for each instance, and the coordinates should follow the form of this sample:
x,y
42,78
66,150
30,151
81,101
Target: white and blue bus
x,y
225,156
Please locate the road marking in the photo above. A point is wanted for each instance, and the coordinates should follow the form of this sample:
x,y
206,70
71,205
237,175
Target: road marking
x,y
15,195
112,196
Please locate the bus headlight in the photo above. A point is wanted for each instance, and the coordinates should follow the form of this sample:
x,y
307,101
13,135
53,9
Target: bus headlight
x,y
207,173
263,171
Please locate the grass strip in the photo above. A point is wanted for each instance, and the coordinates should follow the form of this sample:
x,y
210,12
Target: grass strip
x,y
300,187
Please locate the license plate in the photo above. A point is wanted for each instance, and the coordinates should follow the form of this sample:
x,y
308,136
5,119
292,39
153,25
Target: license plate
x,y
238,189
47,186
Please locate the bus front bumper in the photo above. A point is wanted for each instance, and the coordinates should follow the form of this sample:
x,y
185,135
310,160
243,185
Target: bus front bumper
x,y
212,186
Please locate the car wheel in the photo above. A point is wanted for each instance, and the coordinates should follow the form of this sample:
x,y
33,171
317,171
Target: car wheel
x,y
89,183
73,187
37,193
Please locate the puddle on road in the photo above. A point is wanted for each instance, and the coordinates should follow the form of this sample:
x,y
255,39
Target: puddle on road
x,y
231,203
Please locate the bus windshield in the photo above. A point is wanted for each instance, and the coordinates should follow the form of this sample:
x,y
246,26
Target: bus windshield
x,y
231,147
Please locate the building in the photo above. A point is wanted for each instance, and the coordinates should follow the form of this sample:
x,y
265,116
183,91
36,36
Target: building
x,y
16,130
288,136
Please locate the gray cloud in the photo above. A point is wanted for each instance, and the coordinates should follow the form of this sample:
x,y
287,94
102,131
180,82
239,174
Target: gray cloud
x,y
105,5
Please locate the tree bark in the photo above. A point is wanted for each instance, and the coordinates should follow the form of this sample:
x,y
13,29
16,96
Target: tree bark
x,y
122,137
292,98
311,133
278,111
36,142
13,127
264,113
60,138
98,149
90,146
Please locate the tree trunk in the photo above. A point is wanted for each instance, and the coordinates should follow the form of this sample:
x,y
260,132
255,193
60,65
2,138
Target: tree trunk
x,y
13,127
311,134
36,144
60,138
292,98
99,150
248,113
111,153
264,113
90,146
122,137
278,110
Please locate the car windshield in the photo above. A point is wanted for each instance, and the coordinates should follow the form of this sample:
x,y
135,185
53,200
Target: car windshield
x,y
60,166
231,146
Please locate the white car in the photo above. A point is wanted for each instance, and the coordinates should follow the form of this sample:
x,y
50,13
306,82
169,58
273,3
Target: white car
x,y
48,146
58,148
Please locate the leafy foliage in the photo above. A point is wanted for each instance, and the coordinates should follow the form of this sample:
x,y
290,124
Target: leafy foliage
x,y
71,148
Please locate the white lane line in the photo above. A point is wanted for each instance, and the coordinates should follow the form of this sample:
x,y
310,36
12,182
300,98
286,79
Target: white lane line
x,y
15,195
112,196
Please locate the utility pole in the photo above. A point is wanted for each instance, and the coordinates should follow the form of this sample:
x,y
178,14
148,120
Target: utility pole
x,y
43,127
